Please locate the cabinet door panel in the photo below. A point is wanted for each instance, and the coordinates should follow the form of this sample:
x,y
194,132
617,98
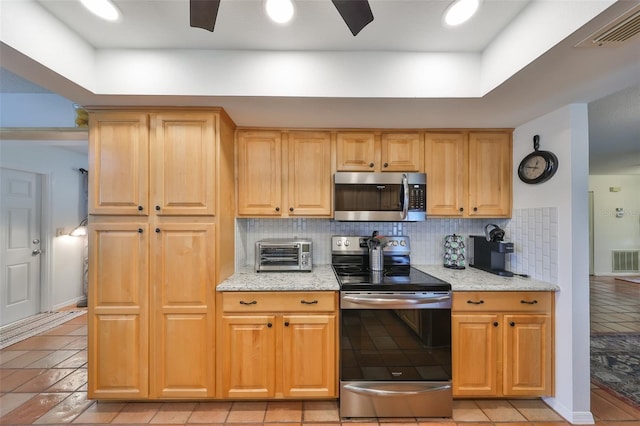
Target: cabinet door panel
x,y
183,356
490,165
118,323
355,152
183,163
259,173
309,356
528,351
474,350
118,163
309,174
248,360
402,152
446,165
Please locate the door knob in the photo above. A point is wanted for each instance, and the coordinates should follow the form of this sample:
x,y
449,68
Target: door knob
x,y
36,252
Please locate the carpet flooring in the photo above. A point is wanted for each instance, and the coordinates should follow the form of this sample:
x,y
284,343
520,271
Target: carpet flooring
x,y
615,364
15,332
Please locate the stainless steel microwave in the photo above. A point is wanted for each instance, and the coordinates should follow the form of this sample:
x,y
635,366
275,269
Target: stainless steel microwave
x,y
384,197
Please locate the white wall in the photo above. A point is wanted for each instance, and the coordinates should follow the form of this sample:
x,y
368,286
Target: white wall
x,y
609,232
565,132
60,168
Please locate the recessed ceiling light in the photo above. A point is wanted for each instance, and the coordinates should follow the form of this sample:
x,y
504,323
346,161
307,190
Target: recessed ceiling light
x,y
460,12
104,9
280,11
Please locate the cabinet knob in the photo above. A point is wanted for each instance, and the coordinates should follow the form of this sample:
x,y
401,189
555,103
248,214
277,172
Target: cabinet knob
x,y
461,209
277,209
371,164
473,302
286,324
140,230
269,325
157,230
290,209
157,208
475,209
385,165
495,323
512,324
140,208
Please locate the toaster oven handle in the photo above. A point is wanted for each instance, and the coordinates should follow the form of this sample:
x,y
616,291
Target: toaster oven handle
x,y
405,201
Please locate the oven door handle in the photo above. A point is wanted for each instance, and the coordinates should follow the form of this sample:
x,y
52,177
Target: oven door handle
x,y
413,300
386,392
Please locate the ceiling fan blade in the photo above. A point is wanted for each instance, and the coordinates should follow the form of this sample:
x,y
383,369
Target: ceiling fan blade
x,y
356,13
203,13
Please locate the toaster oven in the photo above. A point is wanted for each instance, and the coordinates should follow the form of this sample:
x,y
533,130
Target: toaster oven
x,y
283,254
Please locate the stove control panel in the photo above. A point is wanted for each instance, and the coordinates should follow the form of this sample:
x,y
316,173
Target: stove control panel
x,y
357,244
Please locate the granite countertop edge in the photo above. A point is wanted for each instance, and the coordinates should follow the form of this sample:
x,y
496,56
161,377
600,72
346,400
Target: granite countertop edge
x,y
322,278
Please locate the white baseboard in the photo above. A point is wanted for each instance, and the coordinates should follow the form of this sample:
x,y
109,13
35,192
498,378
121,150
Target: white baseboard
x,y
573,417
69,303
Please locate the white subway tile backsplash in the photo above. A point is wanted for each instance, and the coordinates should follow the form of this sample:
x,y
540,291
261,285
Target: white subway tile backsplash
x,y
533,232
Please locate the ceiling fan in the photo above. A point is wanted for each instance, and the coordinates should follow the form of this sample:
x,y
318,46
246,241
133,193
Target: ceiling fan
x,y
355,13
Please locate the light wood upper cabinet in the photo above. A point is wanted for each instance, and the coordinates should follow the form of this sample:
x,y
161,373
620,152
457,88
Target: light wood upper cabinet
x,y
119,163
490,177
183,162
118,320
182,340
179,148
502,344
375,152
284,174
259,173
468,174
446,168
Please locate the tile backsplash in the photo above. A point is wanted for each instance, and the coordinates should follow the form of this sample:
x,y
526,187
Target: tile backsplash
x,y
533,232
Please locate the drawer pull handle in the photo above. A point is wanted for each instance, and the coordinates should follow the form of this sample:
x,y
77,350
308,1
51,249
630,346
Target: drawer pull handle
x,y
480,302
313,302
253,302
529,303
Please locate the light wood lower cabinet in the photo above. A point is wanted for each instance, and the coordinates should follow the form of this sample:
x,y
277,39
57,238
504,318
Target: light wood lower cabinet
x,y
502,344
278,345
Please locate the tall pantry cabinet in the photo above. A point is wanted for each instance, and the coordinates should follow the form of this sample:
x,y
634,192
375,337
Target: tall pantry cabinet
x,y
161,205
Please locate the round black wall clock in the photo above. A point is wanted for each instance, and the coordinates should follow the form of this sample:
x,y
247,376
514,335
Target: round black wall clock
x,y
538,166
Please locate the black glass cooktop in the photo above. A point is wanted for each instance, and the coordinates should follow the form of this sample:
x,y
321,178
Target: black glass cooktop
x,y
352,277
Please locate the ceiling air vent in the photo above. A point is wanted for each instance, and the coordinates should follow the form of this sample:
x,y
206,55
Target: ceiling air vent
x,y
615,33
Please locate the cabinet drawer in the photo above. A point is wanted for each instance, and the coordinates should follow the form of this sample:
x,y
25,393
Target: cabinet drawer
x,y
251,301
488,301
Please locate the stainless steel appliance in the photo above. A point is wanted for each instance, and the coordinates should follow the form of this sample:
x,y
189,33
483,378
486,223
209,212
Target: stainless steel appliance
x,y
363,196
284,254
395,333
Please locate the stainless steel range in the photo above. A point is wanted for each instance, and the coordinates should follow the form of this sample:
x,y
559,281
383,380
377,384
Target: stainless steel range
x,y
395,333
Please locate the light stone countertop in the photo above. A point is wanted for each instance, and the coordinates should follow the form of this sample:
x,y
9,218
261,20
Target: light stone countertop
x,y
322,278
472,279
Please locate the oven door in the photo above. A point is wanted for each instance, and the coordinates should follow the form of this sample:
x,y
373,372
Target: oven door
x,y
395,354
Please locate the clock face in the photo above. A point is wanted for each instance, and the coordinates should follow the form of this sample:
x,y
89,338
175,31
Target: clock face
x,y
538,167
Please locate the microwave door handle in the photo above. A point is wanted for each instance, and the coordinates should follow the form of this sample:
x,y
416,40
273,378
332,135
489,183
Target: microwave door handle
x,y
405,201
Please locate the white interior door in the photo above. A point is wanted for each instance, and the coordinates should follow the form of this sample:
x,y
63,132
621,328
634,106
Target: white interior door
x,y
20,221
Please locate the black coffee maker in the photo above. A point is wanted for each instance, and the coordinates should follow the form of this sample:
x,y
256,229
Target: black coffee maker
x,y
489,251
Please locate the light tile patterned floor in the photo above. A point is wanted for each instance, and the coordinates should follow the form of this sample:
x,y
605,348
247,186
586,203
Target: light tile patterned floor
x,y
43,381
